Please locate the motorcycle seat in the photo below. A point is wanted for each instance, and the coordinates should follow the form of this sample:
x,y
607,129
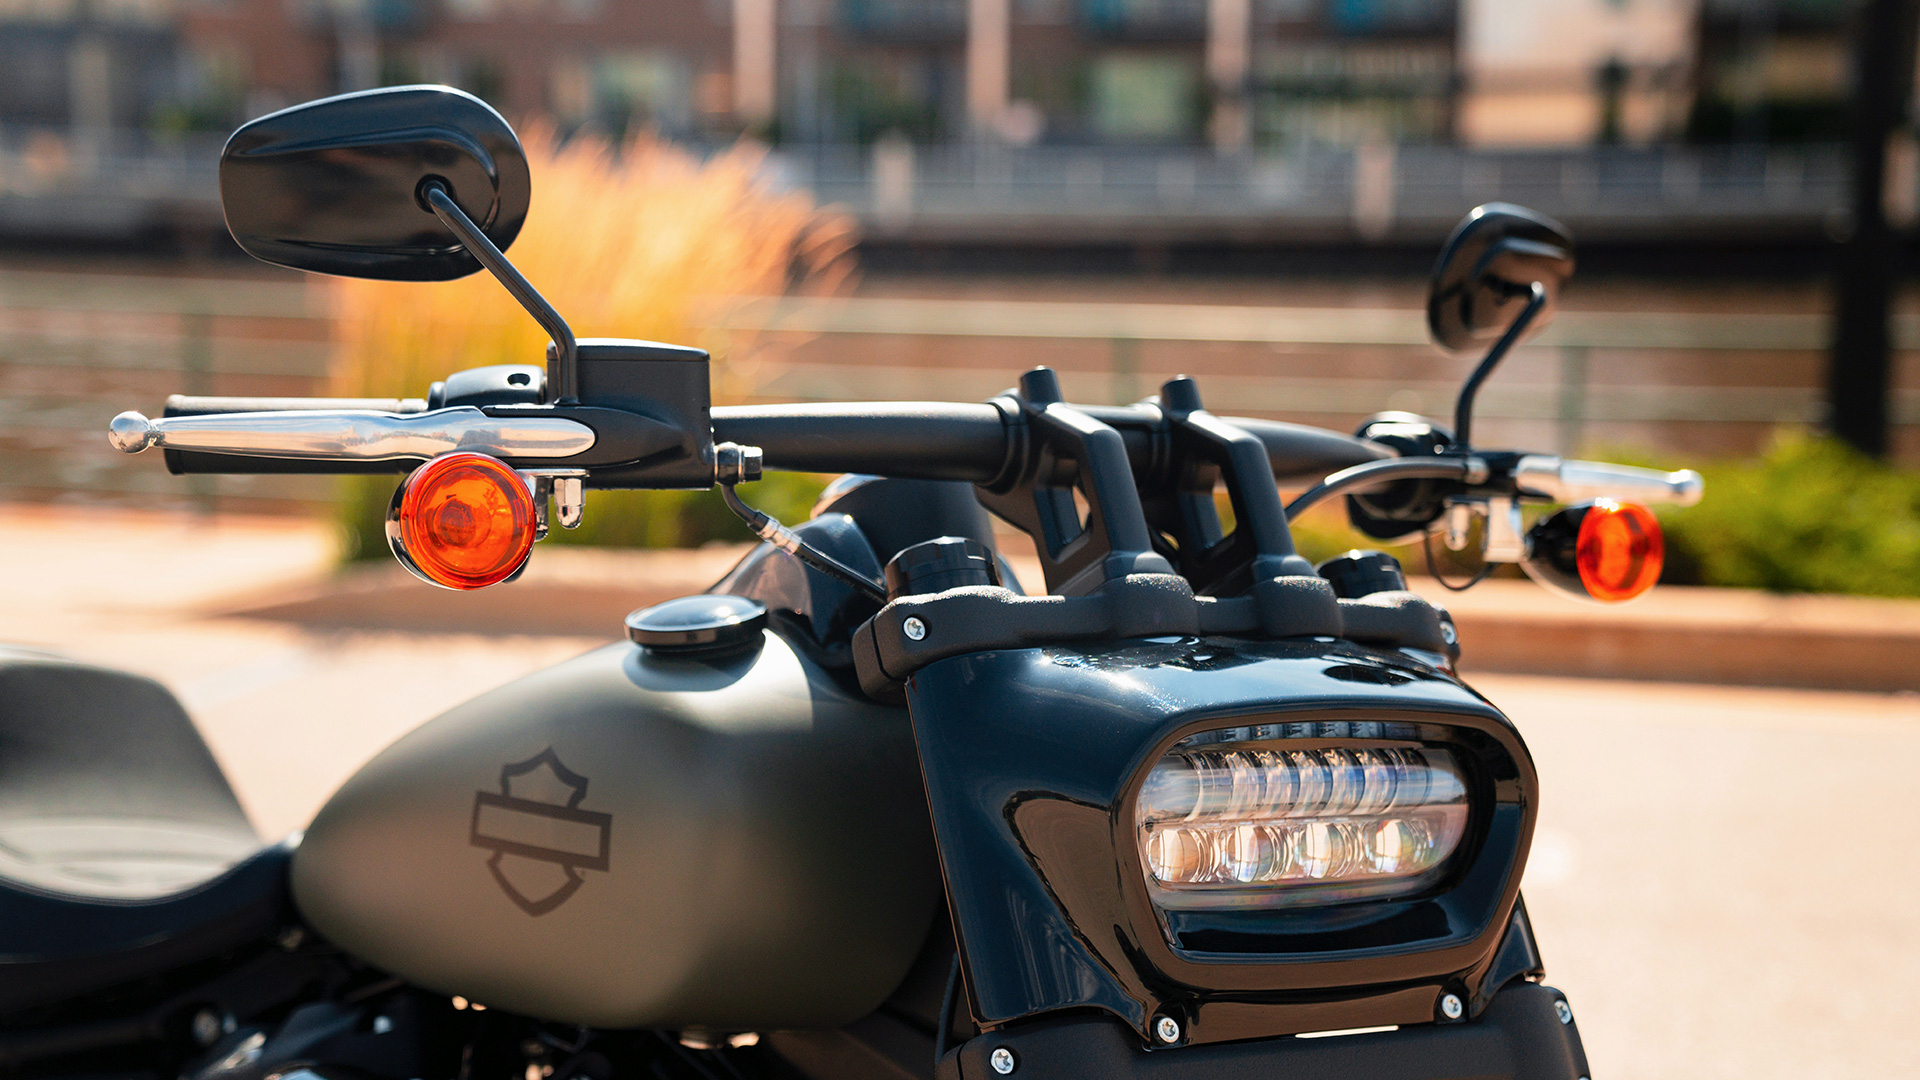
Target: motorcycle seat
x,y
123,851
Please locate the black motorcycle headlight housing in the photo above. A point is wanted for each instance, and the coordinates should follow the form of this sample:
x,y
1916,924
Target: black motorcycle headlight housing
x,y
1256,838
1270,816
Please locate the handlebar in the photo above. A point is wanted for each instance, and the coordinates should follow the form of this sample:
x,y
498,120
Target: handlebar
x,y
976,443
921,440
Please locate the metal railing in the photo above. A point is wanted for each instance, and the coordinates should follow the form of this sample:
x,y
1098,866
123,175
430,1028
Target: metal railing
x,y
1375,192
55,183
106,184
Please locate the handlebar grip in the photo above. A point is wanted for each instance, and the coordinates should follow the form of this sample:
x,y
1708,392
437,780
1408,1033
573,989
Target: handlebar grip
x,y
185,405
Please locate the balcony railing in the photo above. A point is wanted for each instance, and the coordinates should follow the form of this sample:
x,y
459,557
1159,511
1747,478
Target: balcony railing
x,y
54,184
1377,192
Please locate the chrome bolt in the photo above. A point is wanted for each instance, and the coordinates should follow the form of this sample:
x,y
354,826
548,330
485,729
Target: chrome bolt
x,y
206,1027
1448,633
382,1025
1452,1007
1563,1010
1002,1058
915,631
1167,1029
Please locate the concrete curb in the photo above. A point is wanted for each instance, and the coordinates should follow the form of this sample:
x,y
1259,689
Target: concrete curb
x,y
1693,635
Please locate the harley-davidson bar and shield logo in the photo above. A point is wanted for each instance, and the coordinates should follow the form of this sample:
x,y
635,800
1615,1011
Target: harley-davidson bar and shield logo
x,y
540,838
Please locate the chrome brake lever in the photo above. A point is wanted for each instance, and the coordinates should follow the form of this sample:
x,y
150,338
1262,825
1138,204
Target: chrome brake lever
x,y
355,434
1565,480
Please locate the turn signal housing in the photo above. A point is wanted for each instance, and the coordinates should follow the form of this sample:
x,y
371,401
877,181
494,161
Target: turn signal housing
x,y
1600,550
462,521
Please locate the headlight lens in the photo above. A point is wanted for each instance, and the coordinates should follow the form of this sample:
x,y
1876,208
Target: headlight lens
x,y
1273,823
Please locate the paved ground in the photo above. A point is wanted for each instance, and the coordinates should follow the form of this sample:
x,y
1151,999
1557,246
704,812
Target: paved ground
x,y
1723,883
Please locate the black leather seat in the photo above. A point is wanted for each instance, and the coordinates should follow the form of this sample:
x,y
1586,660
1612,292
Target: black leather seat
x,y
123,851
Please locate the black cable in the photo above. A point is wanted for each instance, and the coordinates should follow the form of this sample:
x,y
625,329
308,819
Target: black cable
x,y
946,1012
765,527
1377,472
1426,547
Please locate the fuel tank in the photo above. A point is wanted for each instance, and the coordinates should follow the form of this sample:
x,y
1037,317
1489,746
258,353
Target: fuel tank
x,y
634,840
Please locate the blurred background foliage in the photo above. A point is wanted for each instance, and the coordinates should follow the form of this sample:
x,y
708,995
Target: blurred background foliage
x,y
635,239
1810,515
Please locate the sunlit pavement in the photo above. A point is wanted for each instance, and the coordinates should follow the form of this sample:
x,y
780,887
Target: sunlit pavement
x,y
1723,883
1724,879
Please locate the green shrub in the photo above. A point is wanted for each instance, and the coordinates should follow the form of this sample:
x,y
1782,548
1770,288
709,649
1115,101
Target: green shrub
x,y
1811,515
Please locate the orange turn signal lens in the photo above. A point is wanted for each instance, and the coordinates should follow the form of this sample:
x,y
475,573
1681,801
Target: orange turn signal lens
x,y
462,521
1619,551
1602,550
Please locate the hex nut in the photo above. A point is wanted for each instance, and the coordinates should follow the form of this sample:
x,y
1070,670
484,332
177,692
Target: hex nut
x,y
914,628
1452,1007
1167,1029
1002,1061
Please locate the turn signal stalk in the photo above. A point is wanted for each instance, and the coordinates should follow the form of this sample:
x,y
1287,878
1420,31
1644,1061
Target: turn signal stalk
x,y
1602,550
462,521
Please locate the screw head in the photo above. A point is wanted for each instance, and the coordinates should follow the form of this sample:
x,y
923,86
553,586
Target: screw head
x,y
1563,1010
1452,1007
1167,1029
1448,633
1001,1059
914,629
206,1027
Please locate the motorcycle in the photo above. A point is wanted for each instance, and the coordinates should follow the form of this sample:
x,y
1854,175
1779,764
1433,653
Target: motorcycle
x,y
868,808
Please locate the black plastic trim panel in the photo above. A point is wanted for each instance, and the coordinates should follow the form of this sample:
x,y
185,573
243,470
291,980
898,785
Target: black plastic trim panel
x,y
1518,1037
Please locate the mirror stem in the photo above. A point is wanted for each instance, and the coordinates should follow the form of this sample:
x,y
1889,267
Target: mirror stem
x,y
1463,408
565,383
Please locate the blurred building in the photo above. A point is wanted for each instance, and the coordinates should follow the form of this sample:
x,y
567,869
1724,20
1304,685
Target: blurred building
x,y
955,121
1234,73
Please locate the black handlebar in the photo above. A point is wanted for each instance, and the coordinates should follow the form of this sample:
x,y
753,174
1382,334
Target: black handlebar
x,y
925,440
931,440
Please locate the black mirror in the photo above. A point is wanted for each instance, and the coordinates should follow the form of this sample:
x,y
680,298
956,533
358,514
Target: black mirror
x,y
335,185
1487,269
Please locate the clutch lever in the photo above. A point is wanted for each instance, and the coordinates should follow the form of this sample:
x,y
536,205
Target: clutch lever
x,y
1565,480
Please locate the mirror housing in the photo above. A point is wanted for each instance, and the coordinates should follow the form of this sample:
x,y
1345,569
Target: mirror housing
x,y
1487,268
333,186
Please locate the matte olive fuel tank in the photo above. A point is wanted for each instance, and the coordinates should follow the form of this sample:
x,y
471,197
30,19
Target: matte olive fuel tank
x,y
630,840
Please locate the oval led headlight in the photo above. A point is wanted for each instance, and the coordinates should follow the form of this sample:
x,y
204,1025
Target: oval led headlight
x,y
1282,822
